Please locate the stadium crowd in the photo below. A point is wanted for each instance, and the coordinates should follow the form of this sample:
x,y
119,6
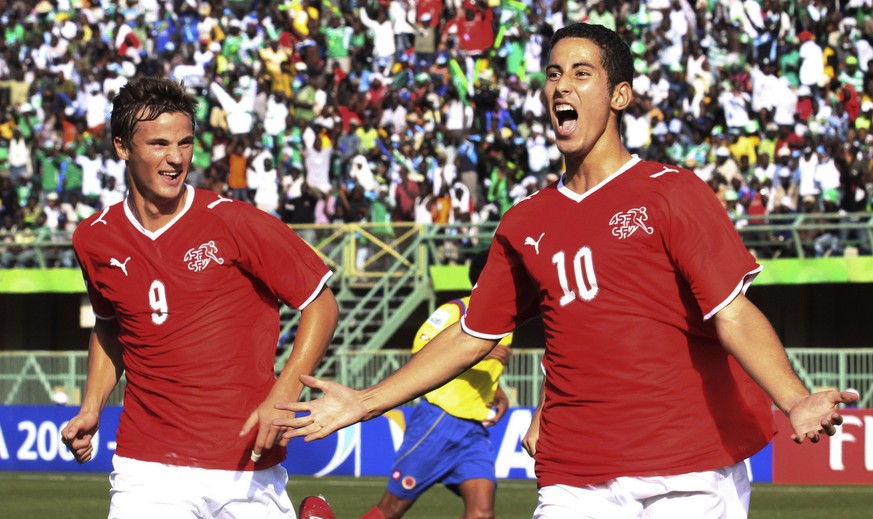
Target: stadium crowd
x,y
430,111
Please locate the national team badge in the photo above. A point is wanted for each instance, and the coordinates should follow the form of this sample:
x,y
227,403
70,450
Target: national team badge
x,y
625,224
408,482
199,258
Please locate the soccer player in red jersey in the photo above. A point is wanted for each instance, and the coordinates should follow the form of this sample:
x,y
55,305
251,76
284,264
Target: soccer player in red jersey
x,y
660,373
186,287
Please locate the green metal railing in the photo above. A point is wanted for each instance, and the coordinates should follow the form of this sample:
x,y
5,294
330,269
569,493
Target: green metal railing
x,y
383,277
791,234
795,234
37,377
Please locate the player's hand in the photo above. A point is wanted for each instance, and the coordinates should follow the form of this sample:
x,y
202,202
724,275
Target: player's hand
x,y
78,433
339,407
817,414
269,435
499,405
529,442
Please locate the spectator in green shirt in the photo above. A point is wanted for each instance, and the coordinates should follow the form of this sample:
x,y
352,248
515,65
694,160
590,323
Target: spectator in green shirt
x,y
338,42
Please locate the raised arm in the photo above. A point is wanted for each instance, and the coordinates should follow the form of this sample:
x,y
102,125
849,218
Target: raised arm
x,y
366,20
105,368
446,356
747,334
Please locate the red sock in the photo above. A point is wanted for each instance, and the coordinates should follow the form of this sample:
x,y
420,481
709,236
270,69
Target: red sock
x,y
374,513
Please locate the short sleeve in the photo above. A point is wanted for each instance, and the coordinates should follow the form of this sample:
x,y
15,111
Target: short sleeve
x,y
504,296
705,246
273,253
102,308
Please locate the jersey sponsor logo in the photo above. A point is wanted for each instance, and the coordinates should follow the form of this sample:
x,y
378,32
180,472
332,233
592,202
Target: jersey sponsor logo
x,y
395,475
122,265
220,200
625,224
199,258
534,243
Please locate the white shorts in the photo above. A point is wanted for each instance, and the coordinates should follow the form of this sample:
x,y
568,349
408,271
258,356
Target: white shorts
x,y
147,490
714,494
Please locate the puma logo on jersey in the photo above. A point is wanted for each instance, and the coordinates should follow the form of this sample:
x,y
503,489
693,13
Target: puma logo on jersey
x,y
663,171
220,200
123,266
100,218
534,243
625,224
199,258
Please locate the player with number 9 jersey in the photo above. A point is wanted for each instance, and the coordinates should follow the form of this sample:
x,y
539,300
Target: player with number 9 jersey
x,y
627,277
197,304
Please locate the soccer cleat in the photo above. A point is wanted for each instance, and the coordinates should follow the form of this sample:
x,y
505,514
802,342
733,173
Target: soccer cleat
x,y
315,507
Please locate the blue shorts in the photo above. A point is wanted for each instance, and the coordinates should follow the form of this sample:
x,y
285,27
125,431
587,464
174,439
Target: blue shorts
x,y
439,448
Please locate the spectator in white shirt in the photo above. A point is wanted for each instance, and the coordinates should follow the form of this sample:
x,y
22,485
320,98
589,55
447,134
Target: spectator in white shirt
x,y
263,178
110,194
19,157
384,45
827,176
93,171
807,165
811,72
240,106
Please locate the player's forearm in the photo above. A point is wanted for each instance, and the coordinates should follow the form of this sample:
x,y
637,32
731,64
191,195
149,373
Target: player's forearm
x,y
428,369
105,365
317,325
747,334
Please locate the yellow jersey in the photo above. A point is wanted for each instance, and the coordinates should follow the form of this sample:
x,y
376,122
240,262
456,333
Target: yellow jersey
x,y
468,394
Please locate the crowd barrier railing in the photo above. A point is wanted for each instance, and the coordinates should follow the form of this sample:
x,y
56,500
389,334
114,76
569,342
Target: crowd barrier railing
x,y
771,236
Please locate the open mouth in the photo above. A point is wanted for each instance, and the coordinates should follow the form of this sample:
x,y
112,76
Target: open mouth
x,y
171,175
567,118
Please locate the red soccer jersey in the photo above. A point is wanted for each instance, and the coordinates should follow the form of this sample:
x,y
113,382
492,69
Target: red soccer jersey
x,y
198,307
626,277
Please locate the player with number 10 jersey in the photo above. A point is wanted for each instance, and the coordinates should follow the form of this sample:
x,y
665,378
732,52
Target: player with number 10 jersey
x,y
627,276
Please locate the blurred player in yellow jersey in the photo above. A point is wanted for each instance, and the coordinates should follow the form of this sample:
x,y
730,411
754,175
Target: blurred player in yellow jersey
x,y
446,439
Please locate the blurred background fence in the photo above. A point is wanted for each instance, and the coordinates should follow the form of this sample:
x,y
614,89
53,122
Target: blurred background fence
x,y
58,378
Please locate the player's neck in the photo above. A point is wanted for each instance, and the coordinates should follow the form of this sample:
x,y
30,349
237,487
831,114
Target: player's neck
x,y
585,172
154,214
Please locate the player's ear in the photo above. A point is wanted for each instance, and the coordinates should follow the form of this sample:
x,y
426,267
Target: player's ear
x,y
622,96
120,148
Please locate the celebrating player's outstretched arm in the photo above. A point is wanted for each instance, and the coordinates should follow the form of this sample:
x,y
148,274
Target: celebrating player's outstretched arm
x,y
747,334
341,406
317,324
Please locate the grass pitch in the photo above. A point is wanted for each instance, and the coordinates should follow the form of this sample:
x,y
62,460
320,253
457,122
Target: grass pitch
x,y
86,496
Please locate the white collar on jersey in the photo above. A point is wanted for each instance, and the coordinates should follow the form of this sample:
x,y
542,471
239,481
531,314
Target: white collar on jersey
x,y
154,235
576,197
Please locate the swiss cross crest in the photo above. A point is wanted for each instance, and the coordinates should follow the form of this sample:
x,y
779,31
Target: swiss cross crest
x,y
625,224
200,257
